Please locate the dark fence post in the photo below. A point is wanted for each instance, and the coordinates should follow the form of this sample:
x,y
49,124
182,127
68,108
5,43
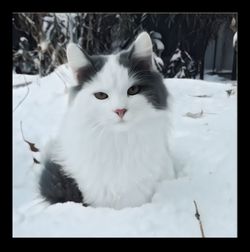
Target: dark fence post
x,y
234,66
202,68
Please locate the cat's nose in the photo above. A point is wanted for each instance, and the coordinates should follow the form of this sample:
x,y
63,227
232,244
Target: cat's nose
x,y
120,112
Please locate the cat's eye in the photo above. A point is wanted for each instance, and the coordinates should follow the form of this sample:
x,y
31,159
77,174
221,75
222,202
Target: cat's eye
x,y
100,95
134,90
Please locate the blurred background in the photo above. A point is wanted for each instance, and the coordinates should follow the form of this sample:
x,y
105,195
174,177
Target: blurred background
x,y
185,45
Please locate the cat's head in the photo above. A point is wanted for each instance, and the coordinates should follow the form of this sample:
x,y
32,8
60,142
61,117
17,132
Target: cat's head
x,y
117,90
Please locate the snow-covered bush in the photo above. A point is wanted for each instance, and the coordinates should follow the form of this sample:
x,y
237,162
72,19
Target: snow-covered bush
x,y
51,32
181,65
102,33
46,50
158,48
25,60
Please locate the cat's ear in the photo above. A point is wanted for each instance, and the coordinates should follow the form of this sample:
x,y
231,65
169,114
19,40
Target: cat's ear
x,y
142,51
76,58
143,46
78,62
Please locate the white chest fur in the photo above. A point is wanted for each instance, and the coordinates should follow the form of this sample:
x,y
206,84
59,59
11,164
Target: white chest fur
x,y
116,169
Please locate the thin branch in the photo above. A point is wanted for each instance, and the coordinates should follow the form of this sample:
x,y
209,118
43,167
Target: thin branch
x,y
201,96
197,215
28,19
28,90
21,128
32,146
22,84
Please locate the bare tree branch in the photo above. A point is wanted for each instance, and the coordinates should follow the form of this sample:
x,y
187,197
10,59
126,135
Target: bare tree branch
x,y
32,146
24,84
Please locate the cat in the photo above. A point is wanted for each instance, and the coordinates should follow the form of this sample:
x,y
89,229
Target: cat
x,y
112,148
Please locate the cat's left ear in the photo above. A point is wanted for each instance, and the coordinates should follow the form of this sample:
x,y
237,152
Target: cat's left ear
x,y
142,50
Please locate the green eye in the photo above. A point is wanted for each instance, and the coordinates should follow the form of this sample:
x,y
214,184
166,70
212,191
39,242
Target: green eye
x,y
101,95
134,90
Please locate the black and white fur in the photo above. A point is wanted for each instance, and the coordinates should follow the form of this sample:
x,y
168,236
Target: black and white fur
x,y
99,158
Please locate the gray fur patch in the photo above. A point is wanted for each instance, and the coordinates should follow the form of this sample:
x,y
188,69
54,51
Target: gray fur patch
x,y
150,82
56,187
152,88
86,73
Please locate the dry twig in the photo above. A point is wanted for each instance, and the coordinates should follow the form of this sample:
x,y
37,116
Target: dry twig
x,y
32,146
19,103
28,90
22,84
197,215
194,115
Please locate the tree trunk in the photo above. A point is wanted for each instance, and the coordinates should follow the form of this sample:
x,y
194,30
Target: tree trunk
x,y
215,52
234,67
202,68
203,53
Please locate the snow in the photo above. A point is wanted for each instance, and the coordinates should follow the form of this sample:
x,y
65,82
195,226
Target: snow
x,y
204,153
155,35
23,39
159,45
217,78
180,73
235,39
176,55
158,61
187,54
44,45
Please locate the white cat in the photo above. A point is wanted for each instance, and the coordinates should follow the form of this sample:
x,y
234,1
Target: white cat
x,y
112,148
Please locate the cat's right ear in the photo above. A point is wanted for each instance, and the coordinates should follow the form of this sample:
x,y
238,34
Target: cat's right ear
x,y
142,46
78,62
141,54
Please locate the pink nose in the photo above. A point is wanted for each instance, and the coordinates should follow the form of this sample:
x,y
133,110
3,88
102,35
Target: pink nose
x,y
120,112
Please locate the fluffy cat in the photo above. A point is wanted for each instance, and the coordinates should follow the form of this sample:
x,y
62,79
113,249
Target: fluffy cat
x,y
112,148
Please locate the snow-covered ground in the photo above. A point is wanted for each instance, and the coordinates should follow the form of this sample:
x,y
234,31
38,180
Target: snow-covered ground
x,y
215,78
204,151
